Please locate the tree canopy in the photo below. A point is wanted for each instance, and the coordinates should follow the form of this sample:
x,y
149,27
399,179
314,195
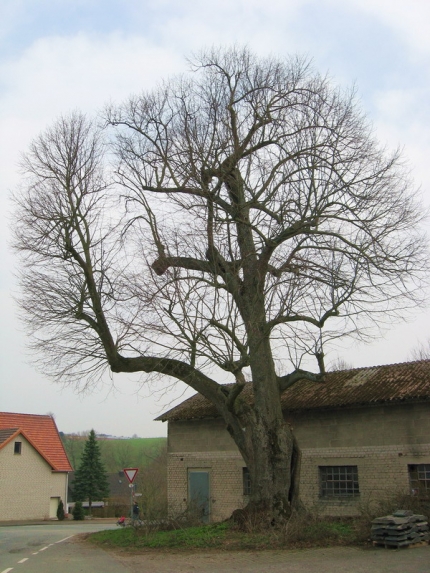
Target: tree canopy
x,y
212,232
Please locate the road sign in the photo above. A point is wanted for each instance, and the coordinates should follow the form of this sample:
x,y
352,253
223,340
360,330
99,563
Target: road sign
x,y
130,473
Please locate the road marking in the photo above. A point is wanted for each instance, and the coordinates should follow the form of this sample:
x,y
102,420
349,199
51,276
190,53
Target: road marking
x,y
7,570
35,553
43,548
23,560
61,540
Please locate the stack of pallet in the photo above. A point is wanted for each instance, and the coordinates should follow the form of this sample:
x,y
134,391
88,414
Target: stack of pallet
x,y
401,529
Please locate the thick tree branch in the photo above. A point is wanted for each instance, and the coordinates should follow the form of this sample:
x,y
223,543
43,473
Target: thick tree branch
x,y
289,380
161,265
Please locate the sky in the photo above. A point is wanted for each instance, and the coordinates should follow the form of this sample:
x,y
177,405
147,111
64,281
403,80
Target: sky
x,y
61,55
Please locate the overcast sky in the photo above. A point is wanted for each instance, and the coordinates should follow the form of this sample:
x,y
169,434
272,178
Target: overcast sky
x,y
59,55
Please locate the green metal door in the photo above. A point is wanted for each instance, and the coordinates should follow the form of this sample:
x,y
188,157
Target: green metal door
x,y
198,493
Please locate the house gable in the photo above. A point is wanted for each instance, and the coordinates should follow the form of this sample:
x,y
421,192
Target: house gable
x,y
13,434
41,431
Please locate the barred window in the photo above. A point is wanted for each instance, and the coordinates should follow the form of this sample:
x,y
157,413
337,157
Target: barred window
x,y
246,481
338,481
419,478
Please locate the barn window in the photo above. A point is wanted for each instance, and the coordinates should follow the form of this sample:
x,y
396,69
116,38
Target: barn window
x,y
17,448
338,481
419,479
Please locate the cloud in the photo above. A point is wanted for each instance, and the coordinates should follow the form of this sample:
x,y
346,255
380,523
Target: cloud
x,y
57,74
410,19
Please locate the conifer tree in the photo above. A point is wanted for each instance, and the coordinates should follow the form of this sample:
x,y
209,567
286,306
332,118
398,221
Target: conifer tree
x,y
60,511
78,512
90,479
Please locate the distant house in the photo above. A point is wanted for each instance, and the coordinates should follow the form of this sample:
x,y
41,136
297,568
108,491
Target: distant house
x,y
119,492
364,433
33,467
119,488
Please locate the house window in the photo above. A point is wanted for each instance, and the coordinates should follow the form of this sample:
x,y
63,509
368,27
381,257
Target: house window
x,y
17,448
338,481
419,478
246,481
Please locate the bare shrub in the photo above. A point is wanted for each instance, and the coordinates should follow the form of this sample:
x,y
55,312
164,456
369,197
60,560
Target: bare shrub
x,y
377,506
250,521
310,529
182,519
152,484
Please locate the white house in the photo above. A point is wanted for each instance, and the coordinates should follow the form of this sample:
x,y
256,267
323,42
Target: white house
x,y
33,467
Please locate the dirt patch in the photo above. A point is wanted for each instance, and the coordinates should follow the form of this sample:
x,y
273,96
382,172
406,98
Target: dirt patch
x,y
327,560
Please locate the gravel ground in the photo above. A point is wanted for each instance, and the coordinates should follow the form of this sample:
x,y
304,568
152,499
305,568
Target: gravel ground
x,y
327,560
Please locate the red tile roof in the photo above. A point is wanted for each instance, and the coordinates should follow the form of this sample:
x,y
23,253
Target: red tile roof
x,y
42,433
405,382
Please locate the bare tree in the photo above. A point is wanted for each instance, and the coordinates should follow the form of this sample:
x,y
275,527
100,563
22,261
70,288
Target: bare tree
x,y
339,364
237,213
421,351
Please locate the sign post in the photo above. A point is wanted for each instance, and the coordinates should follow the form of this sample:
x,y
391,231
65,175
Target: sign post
x,y
130,474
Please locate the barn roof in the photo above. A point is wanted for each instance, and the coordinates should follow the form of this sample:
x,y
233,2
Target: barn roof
x,y
393,383
41,431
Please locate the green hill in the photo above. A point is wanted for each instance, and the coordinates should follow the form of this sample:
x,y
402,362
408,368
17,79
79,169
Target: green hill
x,y
117,454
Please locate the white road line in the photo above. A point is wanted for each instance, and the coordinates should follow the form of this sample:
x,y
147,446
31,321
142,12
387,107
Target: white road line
x,y
61,540
23,560
43,548
7,570
35,553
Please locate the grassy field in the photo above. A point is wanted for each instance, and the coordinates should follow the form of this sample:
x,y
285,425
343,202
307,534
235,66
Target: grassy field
x,y
117,454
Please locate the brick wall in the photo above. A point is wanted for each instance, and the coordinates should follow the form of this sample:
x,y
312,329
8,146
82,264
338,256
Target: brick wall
x,y
381,441
199,436
27,483
225,479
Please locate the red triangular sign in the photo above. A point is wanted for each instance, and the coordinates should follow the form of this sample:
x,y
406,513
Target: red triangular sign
x,y
130,473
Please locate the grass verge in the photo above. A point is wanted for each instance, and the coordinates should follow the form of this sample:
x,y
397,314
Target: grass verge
x,y
226,536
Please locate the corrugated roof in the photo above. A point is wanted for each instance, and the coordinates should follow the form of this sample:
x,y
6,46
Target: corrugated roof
x,y
42,433
409,381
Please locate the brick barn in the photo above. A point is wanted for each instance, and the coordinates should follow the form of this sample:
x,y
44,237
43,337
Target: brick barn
x,y
363,433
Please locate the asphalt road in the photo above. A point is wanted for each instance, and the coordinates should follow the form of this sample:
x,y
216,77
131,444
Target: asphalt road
x,y
54,547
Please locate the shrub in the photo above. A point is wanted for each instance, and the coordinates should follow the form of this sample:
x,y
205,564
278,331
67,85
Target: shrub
x,y
60,511
78,511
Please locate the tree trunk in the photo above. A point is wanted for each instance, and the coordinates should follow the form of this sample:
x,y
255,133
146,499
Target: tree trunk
x,y
270,451
296,463
270,470
273,461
